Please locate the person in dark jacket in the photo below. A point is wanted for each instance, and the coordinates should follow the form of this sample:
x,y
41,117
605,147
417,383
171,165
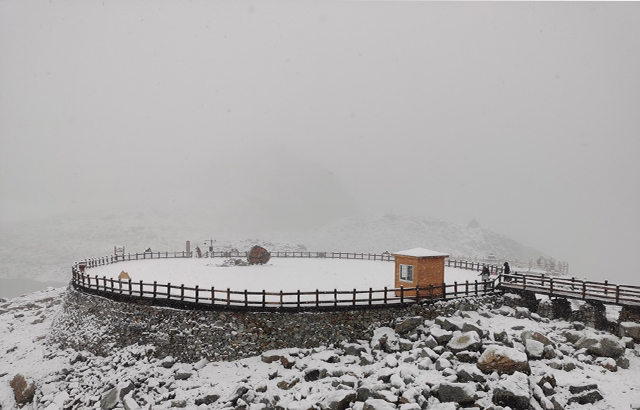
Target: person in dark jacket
x,y
507,271
485,275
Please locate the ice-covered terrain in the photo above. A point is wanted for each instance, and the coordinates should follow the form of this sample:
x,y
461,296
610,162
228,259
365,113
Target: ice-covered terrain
x,y
490,357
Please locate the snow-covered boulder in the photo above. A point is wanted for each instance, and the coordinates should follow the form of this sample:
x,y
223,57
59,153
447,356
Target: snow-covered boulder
x,y
465,341
630,329
463,393
409,324
337,400
527,335
534,349
470,373
385,338
442,336
602,345
378,404
513,391
504,360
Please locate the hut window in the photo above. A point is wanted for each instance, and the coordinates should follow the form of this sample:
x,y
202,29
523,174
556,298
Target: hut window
x,y
406,273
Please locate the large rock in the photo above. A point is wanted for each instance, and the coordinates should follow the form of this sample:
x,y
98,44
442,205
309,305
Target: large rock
x,y
378,404
513,392
534,349
504,360
630,329
408,324
463,393
466,341
385,338
602,345
469,373
258,255
442,336
524,336
337,400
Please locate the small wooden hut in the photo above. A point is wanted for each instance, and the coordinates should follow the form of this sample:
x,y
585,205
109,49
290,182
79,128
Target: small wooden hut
x,y
419,267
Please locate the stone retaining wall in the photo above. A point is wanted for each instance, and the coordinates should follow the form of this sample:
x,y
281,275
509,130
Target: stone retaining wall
x,y
98,325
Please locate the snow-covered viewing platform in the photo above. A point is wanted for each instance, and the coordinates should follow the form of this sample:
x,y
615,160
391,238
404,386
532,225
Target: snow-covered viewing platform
x,y
291,280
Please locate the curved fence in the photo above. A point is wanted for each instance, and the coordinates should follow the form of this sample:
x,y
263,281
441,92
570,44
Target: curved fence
x,y
168,294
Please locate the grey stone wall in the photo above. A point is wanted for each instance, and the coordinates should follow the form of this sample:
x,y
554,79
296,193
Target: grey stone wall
x,y
99,325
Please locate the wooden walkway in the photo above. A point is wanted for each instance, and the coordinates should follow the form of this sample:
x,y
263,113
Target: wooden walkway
x,y
605,292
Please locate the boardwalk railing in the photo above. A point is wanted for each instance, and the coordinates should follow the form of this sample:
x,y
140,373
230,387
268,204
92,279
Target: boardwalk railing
x,y
197,297
572,288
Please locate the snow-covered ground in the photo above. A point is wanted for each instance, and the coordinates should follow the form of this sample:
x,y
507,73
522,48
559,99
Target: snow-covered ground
x,y
405,373
286,274
280,274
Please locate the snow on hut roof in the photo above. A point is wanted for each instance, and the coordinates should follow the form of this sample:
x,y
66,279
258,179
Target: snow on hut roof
x,y
421,253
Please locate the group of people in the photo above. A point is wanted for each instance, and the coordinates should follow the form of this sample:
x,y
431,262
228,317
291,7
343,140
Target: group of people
x,y
485,274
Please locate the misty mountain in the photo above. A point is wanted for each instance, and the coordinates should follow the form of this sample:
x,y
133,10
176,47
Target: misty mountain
x,y
44,249
397,232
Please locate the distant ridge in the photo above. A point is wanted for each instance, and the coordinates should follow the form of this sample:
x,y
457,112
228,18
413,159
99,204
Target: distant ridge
x,y
397,232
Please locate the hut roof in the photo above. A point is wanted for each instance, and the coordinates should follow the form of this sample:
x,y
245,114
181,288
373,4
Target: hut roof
x,y
421,253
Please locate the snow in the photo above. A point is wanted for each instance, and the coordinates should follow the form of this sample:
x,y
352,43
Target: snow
x,y
280,274
421,253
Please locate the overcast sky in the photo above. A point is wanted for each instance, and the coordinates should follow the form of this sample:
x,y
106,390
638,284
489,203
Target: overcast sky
x,y
525,116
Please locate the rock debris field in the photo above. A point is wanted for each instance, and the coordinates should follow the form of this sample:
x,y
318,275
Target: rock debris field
x,y
489,358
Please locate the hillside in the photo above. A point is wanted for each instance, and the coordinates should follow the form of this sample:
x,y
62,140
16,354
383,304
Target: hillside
x,y
396,232
44,249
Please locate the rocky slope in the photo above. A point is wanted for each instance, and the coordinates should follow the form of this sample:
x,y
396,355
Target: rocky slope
x,y
489,358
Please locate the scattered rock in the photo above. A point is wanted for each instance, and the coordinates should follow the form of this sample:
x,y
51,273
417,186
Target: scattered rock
x,y
513,391
586,398
465,341
408,325
463,393
504,360
23,391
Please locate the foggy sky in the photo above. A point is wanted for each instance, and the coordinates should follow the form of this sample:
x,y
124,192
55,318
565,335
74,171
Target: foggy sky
x,y
525,116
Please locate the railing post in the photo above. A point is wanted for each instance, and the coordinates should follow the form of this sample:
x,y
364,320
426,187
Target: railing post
x,y
317,298
213,295
228,296
584,289
476,286
417,293
335,296
298,295
551,286
401,293
182,292
354,296
617,293
246,298
169,290
466,288
431,291
264,298
130,288
385,295
141,289
606,287
281,300
455,289
197,293
155,288
370,296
